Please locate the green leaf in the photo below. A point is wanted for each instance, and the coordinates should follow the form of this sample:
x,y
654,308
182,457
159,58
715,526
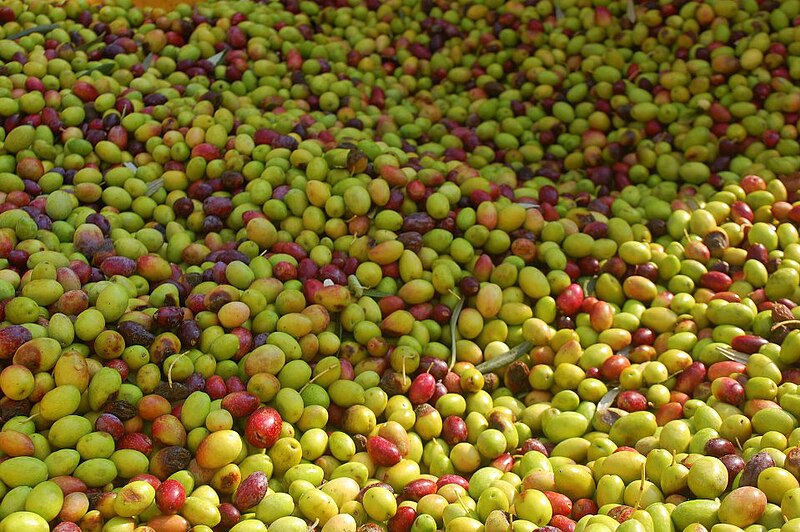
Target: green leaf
x,y
453,325
36,29
506,358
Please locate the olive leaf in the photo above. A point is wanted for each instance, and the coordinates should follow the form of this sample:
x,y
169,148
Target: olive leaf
x,y
358,289
625,351
355,285
559,11
733,354
104,68
589,285
148,61
216,59
607,415
44,28
453,326
153,186
608,399
631,11
85,46
504,359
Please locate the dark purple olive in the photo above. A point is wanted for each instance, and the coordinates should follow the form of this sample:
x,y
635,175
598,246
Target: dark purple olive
x,y
189,333
719,447
419,222
211,224
118,265
135,334
217,206
183,207
734,464
168,317
469,286
754,467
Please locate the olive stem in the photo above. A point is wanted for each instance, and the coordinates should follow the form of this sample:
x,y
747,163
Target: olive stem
x,y
453,324
641,487
461,502
782,323
172,365
315,377
506,358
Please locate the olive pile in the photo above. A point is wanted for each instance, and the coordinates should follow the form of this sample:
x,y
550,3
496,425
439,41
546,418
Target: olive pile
x,y
404,266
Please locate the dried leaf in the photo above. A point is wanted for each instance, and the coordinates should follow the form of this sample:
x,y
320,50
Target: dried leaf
x,y
781,313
